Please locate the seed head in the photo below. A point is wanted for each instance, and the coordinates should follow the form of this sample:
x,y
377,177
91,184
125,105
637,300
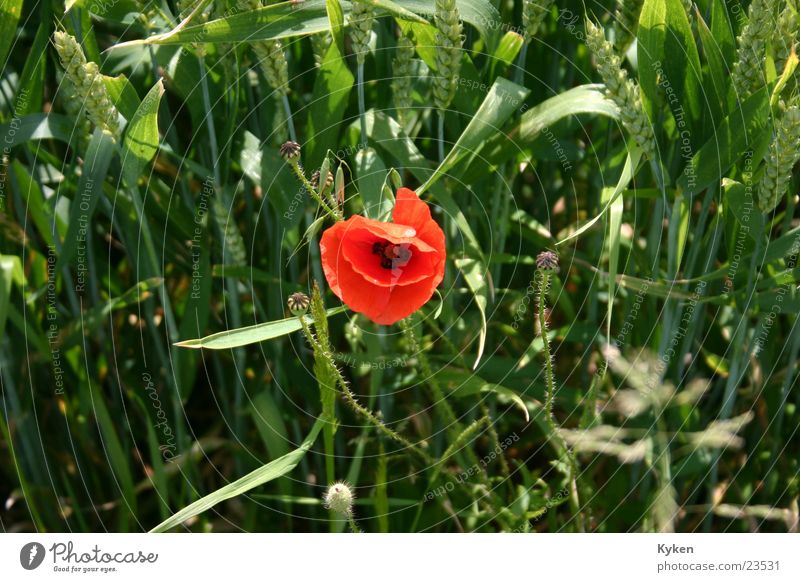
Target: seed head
x,y
339,499
290,151
362,16
298,303
547,261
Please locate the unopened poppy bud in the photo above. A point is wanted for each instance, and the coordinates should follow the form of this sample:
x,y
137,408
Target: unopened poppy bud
x,y
290,151
547,261
298,303
339,499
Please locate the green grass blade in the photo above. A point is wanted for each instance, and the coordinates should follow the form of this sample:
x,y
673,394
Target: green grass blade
x,y
244,336
141,135
744,129
503,99
329,100
290,19
628,172
90,185
10,12
272,470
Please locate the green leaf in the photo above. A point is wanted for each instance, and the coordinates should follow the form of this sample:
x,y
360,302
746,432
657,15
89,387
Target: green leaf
x,y
36,205
37,126
329,100
31,82
479,13
269,423
509,47
667,55
290,19
650,49
93,318
739,201
336,19
501,102
115,454
744,129
10,272
244,336
718,76
723,33
464,383
371,175
628,172
141,135
123,95
584,99
10,11
616,206
90,185
269,472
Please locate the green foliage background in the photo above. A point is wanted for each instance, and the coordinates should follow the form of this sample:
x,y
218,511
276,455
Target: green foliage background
x,y
190,224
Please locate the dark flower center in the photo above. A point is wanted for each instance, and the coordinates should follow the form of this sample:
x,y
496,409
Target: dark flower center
x,y
392,256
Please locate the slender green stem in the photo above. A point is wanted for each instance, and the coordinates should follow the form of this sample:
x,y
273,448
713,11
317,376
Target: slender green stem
x,y
287,109
520,70
443,408
441,135
362,110
739,364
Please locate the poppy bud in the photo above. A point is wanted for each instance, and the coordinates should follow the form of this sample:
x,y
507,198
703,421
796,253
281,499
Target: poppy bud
x,y
290,151
339,499
547,261
298,303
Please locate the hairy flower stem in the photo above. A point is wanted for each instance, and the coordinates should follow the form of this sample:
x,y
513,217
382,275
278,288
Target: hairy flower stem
x,y
351,401
334,213
550,389
504,469
326,378
550,383
352,523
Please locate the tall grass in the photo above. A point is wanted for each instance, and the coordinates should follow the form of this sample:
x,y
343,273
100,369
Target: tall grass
x,y
153,377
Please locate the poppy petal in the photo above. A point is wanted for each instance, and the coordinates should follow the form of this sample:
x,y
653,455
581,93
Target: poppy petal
x,y
359,252
412,211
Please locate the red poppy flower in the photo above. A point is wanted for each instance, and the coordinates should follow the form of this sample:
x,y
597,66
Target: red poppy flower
x,y
385,270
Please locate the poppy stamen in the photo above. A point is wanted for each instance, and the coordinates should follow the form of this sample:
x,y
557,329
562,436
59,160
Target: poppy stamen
x,y
392,256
